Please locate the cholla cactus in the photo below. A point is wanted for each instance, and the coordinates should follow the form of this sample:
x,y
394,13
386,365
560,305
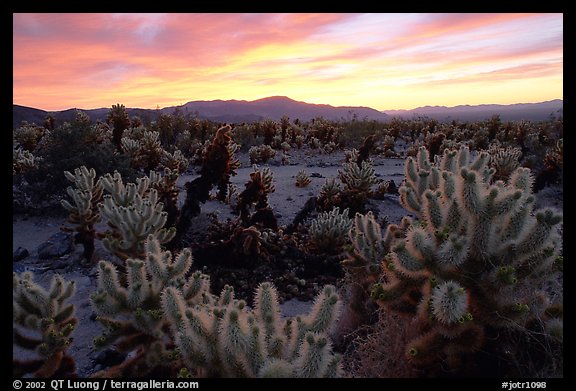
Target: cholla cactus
x,y
388,143
302,179
329,196
133,212
368,245
256,192
225,338
129,305
357,181
23,161
421,175
167,192
329,230
175,161
84,211
261,154
314,143
480,259
48,313
330,147
504,161
351,155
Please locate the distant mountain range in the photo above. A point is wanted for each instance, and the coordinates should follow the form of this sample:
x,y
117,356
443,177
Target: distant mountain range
x,y
231,111
235,111
514,112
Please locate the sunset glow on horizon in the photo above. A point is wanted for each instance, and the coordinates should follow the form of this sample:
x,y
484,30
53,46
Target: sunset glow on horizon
x,y
383,61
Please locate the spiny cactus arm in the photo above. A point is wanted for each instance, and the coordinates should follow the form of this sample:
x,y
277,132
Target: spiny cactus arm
x,y
115,296
406,262
276,368
267,311
324,312
448,161
314,358
453,252
432,209
409,199
537,235
481,162
423,158
138,285
196,289
463,157
449,302
49,313
233,342
471,194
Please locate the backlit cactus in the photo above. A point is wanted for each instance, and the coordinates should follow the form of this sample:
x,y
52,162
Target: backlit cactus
x,y
83,213
504,161
48,313
133,211
479,259
328,232
420,174
225,338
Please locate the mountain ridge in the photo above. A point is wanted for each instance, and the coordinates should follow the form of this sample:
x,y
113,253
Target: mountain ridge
x,y
274,107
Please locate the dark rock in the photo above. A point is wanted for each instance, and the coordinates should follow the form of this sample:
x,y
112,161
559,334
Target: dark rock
x,y
59,244
275,163
316,175
58,264
19,254
18,268
109,357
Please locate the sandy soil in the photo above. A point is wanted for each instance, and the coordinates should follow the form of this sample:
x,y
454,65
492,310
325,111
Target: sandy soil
x,y
286,201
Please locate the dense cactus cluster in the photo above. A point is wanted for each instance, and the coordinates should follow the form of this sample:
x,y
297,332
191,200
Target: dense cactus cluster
x,y
329,230
471,279
128,304
479,259
49,315
225,338
261,154
133,211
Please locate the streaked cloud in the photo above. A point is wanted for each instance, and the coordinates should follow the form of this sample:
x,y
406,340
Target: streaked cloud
x,y
385,61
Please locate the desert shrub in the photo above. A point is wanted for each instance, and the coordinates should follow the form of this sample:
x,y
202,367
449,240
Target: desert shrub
x,y
67,150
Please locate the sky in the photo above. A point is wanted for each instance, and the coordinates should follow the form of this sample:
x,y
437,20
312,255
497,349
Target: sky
x,y
383,61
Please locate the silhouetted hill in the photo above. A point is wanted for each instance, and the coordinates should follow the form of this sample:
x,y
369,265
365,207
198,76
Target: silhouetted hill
x,y
235,111
514,112
274,108
219,110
